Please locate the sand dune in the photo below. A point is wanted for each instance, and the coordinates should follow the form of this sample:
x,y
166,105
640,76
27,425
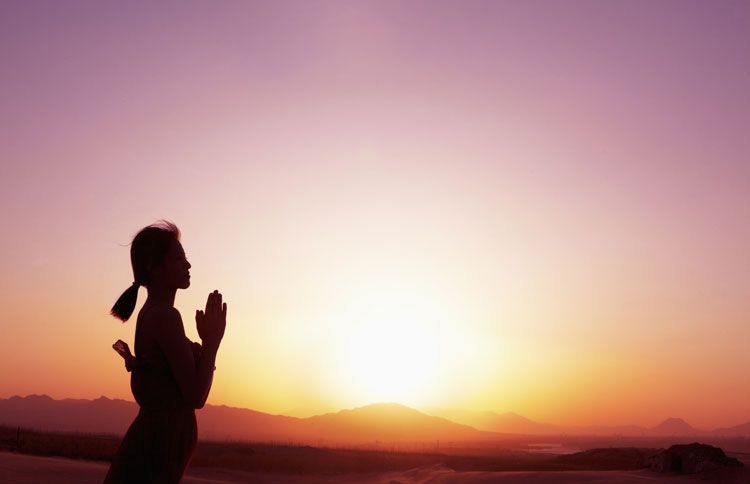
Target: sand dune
x,y
26,469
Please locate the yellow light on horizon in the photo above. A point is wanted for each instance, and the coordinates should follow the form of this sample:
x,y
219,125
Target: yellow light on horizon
x,y
392,358
398,342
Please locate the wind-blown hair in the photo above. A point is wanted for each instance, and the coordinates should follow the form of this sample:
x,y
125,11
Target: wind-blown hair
x,y
147,251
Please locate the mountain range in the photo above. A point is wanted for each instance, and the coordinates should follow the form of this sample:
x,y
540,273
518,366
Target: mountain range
x,y
511,423
381,422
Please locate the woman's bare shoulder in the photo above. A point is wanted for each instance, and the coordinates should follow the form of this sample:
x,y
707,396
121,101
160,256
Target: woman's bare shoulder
x,y
161,318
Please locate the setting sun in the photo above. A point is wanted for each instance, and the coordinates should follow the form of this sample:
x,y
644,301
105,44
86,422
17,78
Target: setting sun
x,y
496,224
399,339
508,206
392,353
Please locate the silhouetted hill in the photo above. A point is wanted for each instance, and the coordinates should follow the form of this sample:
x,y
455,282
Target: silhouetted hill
x,y
384,422
509,422
379,422
742,430
517,424
102,415
391,422
232,423
674,426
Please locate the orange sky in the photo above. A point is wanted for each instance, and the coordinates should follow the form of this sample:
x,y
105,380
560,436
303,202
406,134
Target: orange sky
x,y
494,207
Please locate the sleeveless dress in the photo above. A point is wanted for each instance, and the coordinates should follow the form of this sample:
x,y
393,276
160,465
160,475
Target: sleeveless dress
x,y
159,444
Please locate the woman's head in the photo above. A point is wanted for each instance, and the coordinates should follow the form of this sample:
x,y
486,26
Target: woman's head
x,y
157,258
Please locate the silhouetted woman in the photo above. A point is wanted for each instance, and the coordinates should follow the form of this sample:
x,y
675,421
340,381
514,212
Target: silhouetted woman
x,y
170,375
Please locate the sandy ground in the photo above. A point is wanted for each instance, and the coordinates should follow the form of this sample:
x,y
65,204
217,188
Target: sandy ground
x,y
27,469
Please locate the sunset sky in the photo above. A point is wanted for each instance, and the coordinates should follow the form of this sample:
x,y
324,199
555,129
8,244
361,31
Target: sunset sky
x,y
538,207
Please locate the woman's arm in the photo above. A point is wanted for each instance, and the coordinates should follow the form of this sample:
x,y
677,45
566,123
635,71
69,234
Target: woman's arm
x,y
211,324
193,377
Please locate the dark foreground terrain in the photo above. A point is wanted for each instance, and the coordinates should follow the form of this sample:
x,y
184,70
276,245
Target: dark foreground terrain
x,y
86,457
27,469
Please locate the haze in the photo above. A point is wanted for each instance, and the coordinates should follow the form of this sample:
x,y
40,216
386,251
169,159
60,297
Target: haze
x,y
541,208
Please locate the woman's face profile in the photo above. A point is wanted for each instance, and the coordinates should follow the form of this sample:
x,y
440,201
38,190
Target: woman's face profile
x,y
174,271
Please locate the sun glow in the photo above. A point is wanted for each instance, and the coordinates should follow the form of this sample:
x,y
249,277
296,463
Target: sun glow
x,y
397,346
392,358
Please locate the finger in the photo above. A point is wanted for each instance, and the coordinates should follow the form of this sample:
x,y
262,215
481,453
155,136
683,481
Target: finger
x,y
217,302
224,312
120,345
210,303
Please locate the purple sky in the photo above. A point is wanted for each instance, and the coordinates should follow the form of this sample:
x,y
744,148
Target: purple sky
x,y
578,167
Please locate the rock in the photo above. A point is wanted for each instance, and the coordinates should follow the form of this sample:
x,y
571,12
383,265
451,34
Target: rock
x,y
691,459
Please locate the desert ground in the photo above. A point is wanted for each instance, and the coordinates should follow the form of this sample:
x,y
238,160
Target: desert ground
x,y
27,469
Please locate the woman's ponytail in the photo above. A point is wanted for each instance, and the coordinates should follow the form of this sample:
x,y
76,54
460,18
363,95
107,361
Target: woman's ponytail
x,y
125,305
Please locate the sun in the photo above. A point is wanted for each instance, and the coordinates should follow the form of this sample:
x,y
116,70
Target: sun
x,y
393,350
392,359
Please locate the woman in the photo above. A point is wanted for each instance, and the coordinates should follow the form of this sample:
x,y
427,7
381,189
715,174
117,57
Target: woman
x,y
170,375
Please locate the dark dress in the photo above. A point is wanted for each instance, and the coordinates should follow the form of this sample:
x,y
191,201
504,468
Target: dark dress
x,y
159,444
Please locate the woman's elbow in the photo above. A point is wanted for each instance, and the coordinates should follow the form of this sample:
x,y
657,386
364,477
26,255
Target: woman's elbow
x,y
199,401
194,399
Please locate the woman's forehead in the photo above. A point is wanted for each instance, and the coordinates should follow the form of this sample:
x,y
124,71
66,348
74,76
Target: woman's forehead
x,y
177,247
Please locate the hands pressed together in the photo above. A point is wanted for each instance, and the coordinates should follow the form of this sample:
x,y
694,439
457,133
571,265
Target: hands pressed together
x,y
212,322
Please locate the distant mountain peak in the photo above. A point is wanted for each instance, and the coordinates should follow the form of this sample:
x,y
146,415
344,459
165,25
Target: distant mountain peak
x,y
674,421
674,425
383,421
389,409
385,405
381,406
514,416
509,414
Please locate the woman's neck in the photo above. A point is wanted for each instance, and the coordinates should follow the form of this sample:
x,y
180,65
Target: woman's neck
x,y
161,295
